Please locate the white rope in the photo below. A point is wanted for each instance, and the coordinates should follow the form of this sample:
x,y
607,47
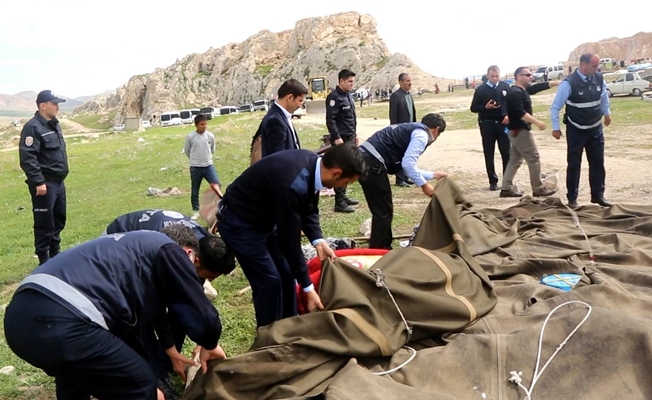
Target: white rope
x,y
414,354
576,220
516,377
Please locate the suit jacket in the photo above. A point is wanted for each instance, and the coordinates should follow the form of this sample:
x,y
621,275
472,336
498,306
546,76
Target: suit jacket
x,y
276,132
398,109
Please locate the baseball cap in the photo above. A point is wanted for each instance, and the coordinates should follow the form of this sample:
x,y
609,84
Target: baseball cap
x,y
48,95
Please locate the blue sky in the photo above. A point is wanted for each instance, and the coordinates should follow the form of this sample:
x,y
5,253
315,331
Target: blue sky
x,y
75,48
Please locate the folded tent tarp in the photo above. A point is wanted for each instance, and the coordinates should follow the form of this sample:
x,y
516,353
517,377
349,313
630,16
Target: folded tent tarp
x,y
337,353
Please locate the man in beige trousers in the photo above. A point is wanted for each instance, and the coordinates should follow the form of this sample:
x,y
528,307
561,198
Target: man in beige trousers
x,y
524,147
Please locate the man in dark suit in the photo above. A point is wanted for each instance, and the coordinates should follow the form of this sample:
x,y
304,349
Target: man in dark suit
x,y
402,110
263,213
276,130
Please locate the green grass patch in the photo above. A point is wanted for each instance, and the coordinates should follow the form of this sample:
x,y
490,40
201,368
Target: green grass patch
x,y
96,121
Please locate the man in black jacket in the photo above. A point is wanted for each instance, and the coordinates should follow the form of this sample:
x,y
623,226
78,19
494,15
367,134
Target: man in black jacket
x,y
43,158
342,124
489,102
80,316
402,110
276,130
524,147
263,213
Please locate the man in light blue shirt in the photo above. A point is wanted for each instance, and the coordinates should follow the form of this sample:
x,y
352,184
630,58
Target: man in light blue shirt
x,y
585,98
395,150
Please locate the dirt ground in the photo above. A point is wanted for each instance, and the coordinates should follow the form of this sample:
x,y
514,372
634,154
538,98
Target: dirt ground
x,y
459,152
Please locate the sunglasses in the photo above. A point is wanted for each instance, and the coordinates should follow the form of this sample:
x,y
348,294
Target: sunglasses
x,y
528,75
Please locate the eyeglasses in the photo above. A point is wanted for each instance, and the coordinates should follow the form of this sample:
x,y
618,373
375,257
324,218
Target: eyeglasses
x,y
528,75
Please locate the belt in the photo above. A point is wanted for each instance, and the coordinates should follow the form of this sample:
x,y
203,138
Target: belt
x,y
491,120
52,179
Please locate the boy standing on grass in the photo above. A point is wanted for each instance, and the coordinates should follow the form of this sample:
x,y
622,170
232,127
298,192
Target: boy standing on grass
x,y
199,147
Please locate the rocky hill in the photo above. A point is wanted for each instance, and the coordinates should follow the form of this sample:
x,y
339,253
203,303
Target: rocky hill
x,y
630,48
26,101
241,72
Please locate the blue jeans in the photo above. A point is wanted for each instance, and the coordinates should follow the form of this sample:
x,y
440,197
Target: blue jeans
x,y
197,174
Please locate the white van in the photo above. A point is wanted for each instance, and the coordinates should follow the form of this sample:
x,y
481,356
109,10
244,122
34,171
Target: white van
x,y
229,110
188,116
170,118
553,72
209,112
261,105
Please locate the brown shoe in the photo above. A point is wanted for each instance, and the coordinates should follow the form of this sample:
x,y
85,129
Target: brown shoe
x,y
544,193
510,193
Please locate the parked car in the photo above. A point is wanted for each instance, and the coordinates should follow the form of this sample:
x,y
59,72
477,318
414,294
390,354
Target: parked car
x,y
261,105
119,127
146,124
229,110
301,111
629,83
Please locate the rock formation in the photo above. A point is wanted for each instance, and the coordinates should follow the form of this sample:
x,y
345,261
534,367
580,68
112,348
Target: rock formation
x,y
243,72
635,47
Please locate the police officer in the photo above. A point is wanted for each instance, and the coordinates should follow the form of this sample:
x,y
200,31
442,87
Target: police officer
x,y
81,316
396,150
42,152
584,94
341,123
490,103
153,220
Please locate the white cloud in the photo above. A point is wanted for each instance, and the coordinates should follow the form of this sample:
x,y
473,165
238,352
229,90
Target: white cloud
x,y
79,47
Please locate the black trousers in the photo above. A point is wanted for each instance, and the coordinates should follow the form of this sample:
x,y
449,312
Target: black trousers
x,y
378,193
84,359
591,140
49,217
340,193
268,272
493,133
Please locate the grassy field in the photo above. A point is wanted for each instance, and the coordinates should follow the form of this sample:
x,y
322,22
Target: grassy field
x,y
110,176
95,121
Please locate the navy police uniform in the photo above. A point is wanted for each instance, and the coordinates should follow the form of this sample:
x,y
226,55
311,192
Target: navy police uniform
x,y
80,316
43,158
342,124
153,220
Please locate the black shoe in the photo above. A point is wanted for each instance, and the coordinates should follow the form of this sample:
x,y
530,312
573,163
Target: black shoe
x,y
493,187
510,193
351,202
165,386
544,193
402,184
342,207
573,204
601,201
43,258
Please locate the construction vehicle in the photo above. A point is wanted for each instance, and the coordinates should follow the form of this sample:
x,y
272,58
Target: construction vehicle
x,y
318,90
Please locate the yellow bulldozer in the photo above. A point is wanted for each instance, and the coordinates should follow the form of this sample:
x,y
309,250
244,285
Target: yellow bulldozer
x,y
318,90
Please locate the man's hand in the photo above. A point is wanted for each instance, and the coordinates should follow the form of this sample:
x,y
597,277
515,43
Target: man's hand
x,y
179,362
491,104
41,190
556,134
554,83
324,250
159,394
215,354
428,189
607,120
357,140
339,141
314,301
505,120
541,125
216,188
439,174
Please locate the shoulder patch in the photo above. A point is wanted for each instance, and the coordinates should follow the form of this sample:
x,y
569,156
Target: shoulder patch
x,y
29,141
332,103
504,92
173,214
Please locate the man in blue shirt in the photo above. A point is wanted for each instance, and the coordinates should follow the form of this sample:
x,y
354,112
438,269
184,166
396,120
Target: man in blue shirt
x,y
395,150
585,97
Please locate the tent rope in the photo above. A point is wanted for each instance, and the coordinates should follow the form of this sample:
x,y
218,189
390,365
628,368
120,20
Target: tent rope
x,y
515,377
380,282
576,221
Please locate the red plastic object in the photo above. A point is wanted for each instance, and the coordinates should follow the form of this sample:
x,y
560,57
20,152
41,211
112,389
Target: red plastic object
x,y
314,269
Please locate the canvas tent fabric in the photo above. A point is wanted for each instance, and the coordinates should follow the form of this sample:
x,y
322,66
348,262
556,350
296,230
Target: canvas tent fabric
x,y
497,259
